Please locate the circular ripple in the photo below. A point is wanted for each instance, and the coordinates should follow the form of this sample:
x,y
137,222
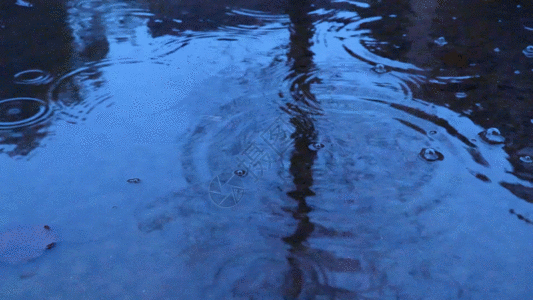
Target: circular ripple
x,y
21,112
528,52
33,77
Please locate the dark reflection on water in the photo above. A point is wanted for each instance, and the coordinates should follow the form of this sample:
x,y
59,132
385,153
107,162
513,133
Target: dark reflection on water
x,y
35,47
481,71
302,279
403,172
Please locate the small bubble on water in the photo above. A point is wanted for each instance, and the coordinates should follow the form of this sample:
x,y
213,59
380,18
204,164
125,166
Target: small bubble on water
x,y
431,154
441,41
460,95
380,69
492,136
316,146
496,49
517,72
433,132
240,173
528,52
527,159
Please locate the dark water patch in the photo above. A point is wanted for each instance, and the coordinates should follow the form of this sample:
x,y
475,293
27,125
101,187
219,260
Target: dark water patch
x,y
520,216
175,19
35,46
519,190
477,156
482,177
411,125
522,161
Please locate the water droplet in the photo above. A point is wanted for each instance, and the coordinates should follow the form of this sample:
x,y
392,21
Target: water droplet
x,y
527,159
431,154
441,41
492,136
460,95
380,69
240,173
517,72
316,146
496,49
528,52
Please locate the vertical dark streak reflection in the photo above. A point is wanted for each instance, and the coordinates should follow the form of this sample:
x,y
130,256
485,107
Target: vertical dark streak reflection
x,y
301,110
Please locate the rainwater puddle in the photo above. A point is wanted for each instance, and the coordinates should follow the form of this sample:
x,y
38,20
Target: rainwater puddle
x,y
265,150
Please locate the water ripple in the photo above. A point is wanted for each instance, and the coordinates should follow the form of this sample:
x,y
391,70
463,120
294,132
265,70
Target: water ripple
x,y
33,77
22,112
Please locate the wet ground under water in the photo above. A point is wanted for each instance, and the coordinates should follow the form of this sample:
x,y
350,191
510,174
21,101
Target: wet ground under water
x,y
266,149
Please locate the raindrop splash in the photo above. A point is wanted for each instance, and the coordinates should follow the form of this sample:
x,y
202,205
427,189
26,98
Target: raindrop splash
x,y
528,52
430,154
460,95
441,41
527,159
240,173
380,69
316,146
21,112
492,136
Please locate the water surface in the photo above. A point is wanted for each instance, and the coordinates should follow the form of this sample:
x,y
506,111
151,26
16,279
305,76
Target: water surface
x,y
268,150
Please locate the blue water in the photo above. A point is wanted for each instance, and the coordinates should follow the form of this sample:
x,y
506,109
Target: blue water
x,y
266,150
